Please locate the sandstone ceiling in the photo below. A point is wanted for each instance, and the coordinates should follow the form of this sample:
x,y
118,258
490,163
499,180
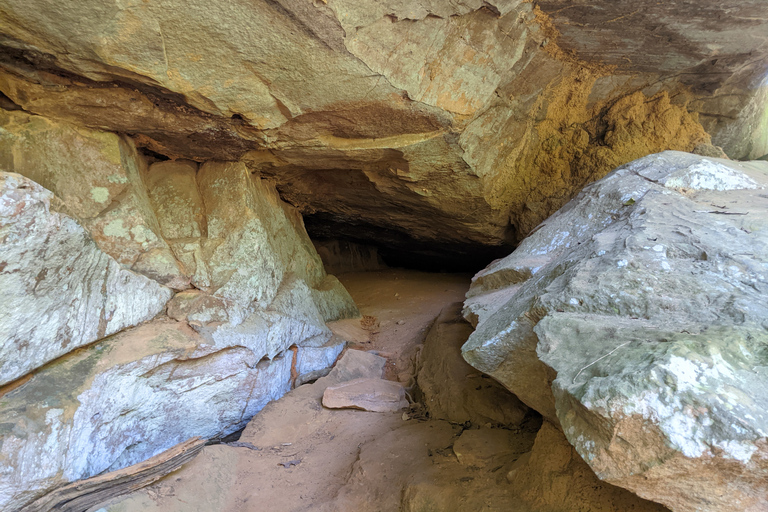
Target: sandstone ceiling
x,y
435,127
717,49
706,44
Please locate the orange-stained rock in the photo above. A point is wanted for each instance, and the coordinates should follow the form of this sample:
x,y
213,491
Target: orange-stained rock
x,y
429,127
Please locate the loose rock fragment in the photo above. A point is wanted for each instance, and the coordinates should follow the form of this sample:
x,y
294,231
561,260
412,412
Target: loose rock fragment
x,y
375,395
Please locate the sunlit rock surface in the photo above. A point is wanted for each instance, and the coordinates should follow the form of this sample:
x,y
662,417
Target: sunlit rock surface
x,y
635,318
702,44
58,291
128,398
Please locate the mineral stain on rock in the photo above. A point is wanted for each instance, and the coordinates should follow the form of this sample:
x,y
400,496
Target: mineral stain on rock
x,y
178,178
100,194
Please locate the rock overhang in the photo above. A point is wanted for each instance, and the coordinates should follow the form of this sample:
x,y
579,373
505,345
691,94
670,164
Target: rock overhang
x,y
468,130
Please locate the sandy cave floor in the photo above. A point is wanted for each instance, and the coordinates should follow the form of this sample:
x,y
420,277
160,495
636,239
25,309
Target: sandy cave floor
x,y
309,458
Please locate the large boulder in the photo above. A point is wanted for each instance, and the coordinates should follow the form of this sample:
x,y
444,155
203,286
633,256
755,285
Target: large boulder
x,y
254,325
127,398
58,291
635,319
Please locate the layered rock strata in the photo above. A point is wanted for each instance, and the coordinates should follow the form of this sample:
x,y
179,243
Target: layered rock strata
x,y
430,127
101,255
126,399
635,319
58,291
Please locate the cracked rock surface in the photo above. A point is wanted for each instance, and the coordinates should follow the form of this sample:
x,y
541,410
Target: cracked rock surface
x,y
431,127
635,318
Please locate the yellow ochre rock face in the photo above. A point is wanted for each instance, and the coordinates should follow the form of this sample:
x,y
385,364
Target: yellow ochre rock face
x,y
421,123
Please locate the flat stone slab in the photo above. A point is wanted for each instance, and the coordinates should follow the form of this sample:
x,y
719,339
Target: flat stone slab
x,y
375,395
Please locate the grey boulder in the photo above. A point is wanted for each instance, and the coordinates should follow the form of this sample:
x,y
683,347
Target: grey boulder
x,y
636,319
129,397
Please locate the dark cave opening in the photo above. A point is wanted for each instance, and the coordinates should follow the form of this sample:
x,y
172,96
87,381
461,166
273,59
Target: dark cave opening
x,y
399,250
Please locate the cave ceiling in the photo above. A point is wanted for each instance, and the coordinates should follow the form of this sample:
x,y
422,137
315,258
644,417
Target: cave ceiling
x,y
451,125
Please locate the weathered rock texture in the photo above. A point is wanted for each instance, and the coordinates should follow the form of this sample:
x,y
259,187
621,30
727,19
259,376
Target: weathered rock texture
x,y
432,127
255,322
635,318
700,44
124,400
172,129
262,284
58,291
552,477
485,446
218,228
453,390
96,177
